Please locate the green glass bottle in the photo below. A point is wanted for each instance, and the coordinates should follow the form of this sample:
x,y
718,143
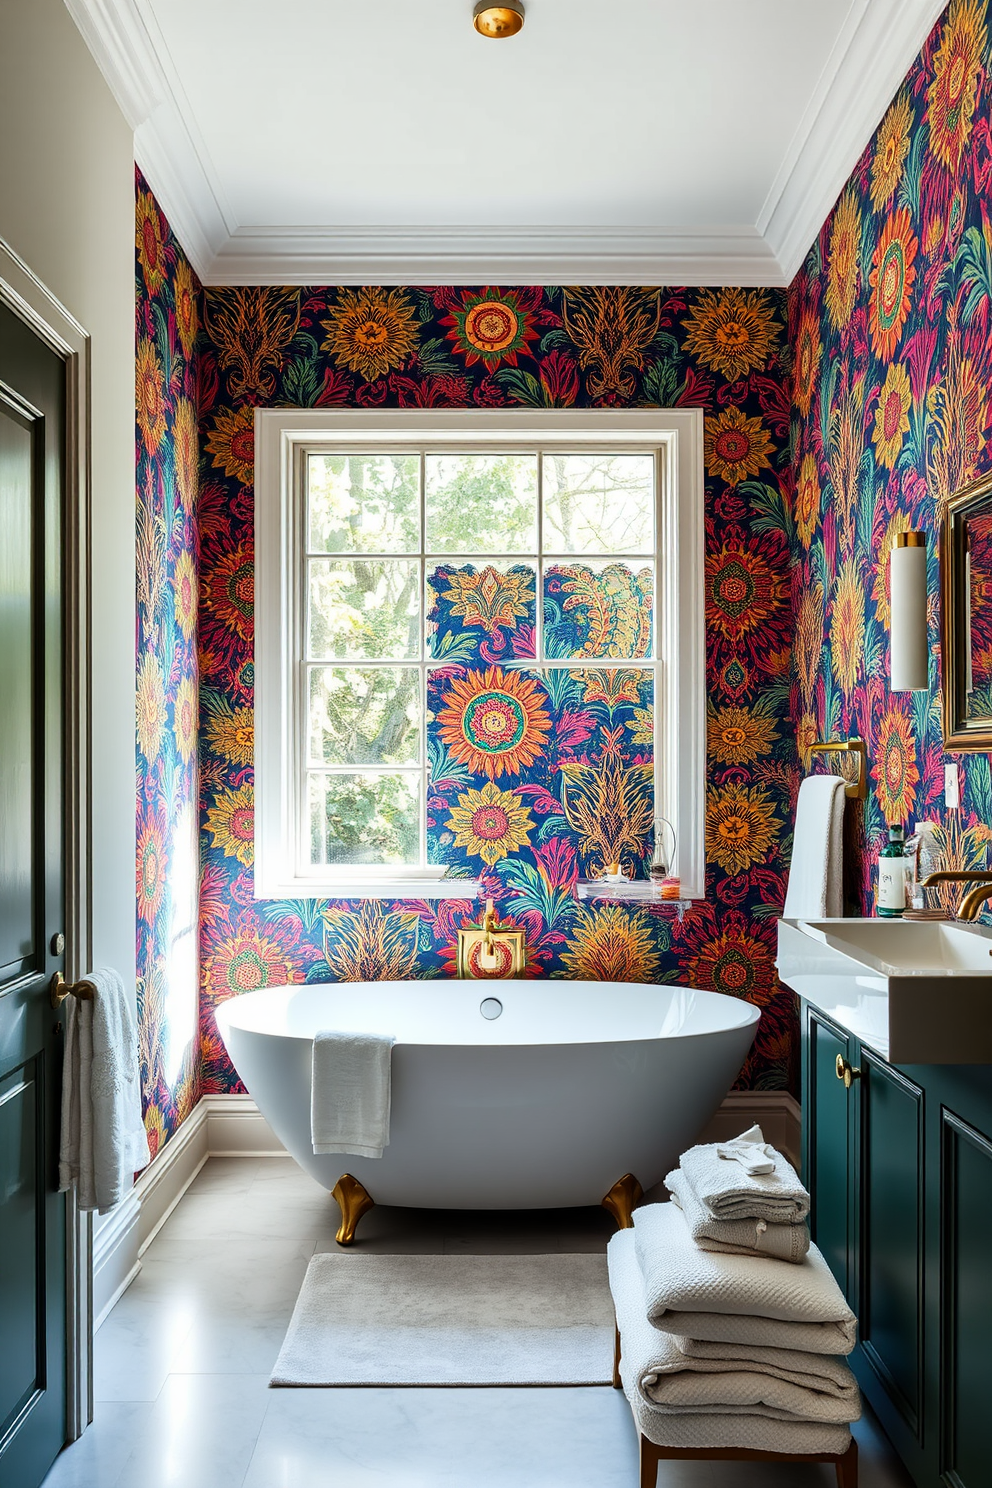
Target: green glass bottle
x,y
892,875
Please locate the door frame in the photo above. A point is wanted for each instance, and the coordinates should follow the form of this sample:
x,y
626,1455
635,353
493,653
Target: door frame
x,y
22,292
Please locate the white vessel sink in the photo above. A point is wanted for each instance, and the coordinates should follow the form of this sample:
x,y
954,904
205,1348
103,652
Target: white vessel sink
x,y
919,992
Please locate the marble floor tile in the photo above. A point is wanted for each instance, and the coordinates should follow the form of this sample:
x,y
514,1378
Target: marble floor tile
x,y
200,1433
225,1175
98,1458
413,1438
137,1346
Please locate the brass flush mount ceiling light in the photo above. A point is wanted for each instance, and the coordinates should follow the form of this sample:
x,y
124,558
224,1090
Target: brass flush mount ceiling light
x,y
497,21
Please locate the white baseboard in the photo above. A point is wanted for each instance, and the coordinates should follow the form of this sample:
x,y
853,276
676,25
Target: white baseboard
x,y
232,1126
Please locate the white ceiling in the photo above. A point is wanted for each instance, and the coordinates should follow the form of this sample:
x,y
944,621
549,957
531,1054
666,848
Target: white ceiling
x,y
342,141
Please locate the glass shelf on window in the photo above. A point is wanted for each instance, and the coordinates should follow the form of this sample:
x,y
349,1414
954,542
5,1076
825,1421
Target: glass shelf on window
x,y
631,891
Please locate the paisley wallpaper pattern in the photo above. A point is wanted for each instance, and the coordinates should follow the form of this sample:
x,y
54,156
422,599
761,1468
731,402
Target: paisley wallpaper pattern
x,y
890,327
167,705
721,349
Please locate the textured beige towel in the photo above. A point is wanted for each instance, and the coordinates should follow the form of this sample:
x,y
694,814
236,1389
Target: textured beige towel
x,y
758,1427
737,1299
784,1242
673,1381
722,1186
816,1371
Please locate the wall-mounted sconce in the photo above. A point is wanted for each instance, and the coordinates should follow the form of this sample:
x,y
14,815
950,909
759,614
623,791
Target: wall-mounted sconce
x,y
909,655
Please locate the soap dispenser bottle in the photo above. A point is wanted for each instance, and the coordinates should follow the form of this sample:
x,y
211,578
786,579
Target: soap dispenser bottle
x,y
892,875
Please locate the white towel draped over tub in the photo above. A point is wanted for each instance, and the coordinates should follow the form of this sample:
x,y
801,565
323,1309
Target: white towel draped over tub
x,y
103,1141
350,1090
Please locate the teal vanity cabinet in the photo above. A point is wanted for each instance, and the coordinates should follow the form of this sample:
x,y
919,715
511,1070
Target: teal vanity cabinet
x,y
898,1160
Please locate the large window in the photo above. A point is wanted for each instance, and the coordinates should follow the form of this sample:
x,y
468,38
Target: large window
x,y
427,586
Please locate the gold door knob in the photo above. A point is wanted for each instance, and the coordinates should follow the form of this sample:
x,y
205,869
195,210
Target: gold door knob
x,y
846,1072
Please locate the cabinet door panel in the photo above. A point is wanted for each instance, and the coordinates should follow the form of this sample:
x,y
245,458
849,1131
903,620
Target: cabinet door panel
x,y
891,1233
966,1304
827,1156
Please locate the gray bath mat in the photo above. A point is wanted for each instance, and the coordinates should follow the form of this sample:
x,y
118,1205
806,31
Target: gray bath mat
x,y
450,1320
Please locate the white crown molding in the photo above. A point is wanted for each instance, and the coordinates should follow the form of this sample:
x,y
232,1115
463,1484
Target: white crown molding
x,y
876,47
877,44
129,49
494,255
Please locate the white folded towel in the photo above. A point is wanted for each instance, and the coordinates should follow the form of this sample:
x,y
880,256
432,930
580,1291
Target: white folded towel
x,y
816,874
784,1242
350,1092
734,1298
674,1381
103,1141
755,1427
728,1192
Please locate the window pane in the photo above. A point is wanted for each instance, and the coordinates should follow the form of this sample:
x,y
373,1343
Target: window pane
x,y
598,503
598,610
482,613
365,819
364,608
365,717
481,503
364,503
606,784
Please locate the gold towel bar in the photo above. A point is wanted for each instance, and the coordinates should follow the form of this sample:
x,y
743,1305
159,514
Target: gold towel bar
x,y
60,989
857,788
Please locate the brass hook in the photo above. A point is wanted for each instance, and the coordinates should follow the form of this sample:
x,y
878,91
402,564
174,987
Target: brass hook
x,y
60,989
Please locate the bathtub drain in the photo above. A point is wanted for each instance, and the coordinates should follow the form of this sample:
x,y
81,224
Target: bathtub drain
x,y
490,1007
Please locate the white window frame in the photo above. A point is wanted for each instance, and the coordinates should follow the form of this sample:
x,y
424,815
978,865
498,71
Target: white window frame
x,y
281,436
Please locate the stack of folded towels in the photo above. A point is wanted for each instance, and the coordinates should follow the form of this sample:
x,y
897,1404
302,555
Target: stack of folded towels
x,y
732,1327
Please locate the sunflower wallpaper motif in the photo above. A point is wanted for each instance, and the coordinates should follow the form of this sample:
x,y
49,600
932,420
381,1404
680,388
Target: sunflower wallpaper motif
x,y
167,702
534,779
889,324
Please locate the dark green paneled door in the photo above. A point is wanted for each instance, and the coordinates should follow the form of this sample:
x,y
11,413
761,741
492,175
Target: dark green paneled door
x,y
828,1158
32,1214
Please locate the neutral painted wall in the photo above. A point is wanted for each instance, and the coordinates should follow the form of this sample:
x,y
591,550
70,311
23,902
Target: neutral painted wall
x,y
67,207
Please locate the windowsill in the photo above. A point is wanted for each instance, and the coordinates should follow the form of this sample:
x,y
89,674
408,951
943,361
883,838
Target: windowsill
x,y
411,889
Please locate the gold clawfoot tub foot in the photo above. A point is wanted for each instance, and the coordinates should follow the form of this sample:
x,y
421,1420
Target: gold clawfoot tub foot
x,y
353,1201
622,1199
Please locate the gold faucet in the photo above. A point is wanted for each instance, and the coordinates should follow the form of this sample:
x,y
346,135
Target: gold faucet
x,y
488,950
971,902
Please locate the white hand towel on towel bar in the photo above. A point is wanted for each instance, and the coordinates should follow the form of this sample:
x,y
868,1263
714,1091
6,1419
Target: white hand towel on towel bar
x,y
816,873
103,1142
350,1085
737,1299
756,1237
673,1381
728,1192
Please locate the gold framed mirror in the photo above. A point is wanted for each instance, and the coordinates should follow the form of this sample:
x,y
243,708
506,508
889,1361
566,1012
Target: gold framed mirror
x,y
966,617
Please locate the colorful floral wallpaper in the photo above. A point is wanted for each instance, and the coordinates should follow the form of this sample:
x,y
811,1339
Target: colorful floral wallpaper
x,y
570,779
167,704
890,322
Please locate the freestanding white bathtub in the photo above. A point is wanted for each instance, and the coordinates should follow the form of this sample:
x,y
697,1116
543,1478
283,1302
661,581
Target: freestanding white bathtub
x,y
548,1104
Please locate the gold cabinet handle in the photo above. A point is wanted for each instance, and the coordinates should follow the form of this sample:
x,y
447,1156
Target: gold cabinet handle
x,y
846,1071
59,989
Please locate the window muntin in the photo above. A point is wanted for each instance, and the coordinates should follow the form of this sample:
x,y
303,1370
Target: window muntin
x,y
579,525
